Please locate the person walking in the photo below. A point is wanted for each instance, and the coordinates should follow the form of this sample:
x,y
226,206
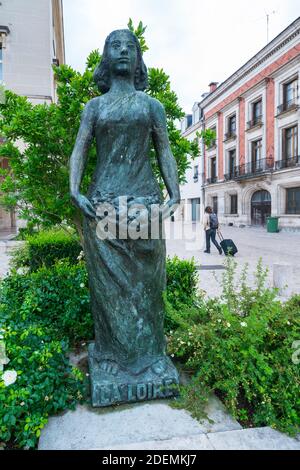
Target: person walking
x,y
211,224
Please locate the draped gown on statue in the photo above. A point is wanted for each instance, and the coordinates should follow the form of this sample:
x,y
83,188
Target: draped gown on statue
x,y
127,277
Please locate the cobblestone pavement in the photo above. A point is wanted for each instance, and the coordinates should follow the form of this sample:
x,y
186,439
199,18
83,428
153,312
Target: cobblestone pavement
x,y
252,243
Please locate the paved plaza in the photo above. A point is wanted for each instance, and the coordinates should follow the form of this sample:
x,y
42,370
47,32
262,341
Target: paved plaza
x,y
253,243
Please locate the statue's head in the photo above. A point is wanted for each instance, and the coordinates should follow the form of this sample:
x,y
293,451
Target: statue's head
x,y
122,55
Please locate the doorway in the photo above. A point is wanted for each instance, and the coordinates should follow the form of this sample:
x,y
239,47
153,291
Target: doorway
x,y
260,207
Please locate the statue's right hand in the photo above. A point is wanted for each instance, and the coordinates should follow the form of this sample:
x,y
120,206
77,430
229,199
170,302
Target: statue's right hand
x,y
84,205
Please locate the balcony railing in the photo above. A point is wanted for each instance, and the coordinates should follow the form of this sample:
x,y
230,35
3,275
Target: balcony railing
x,y
254,168
211,180
291,104
231,175
287,163
257,121
230,135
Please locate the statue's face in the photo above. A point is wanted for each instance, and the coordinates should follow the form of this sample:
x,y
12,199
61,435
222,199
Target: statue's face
x,y
122,53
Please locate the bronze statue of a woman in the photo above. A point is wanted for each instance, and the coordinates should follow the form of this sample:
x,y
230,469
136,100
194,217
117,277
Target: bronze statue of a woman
x,y
127,277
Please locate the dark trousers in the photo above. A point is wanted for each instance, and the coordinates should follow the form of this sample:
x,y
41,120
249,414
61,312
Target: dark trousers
x,y
211,235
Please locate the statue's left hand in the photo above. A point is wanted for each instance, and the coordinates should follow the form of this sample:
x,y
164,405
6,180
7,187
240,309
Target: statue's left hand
x,y
169,208
84,205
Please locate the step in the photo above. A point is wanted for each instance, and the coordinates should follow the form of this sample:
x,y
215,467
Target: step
x,y
88,428
245,439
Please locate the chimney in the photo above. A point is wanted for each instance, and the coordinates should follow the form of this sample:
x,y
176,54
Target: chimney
x,y
213,86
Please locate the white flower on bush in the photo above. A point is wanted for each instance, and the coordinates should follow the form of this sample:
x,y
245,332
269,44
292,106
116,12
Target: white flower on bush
x,y
22,404
243,324
9,377
81,256
228,325
288,323
23,270
82,285
219,320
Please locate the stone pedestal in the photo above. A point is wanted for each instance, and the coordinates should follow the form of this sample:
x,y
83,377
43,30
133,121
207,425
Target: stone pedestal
x,y
123,387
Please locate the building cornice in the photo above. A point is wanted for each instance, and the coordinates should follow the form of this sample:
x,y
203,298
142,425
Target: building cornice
x,y
192,129
262,56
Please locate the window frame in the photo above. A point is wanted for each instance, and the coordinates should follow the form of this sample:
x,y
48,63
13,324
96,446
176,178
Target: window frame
x,y
287,210
196,173
232,131
213,160
233,212
294,139
286,101
256,118
231,171
215,204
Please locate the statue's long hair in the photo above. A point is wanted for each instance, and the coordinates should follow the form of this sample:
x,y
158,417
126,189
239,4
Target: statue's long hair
x,y
102,73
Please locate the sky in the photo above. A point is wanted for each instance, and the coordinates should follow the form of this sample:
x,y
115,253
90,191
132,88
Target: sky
x,y
194,41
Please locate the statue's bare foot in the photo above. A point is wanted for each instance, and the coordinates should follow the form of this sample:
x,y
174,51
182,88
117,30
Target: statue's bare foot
x,y
159,367
110,367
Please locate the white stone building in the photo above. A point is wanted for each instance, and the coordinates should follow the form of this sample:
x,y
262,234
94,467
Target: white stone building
x,y
253,170
31,41
189,209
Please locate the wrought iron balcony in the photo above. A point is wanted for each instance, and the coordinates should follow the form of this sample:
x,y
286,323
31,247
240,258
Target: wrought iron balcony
x,y
291,104
230,135
256,168
231,175
287,163
211,180
256,121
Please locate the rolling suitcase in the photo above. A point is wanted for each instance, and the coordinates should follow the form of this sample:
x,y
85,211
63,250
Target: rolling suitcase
x,y
227,245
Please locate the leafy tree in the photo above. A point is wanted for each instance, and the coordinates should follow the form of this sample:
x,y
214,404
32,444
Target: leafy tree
x,y
38,182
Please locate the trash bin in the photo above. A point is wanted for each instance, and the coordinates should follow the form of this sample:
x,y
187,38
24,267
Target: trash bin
x,y
272,224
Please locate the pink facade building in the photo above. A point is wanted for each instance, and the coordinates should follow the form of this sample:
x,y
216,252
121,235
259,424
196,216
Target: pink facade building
x,y
252,169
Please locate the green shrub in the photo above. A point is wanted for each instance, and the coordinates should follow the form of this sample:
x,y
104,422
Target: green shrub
x,y
182,280
241,347
19,257
46,384
57,297
42,314
46,248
